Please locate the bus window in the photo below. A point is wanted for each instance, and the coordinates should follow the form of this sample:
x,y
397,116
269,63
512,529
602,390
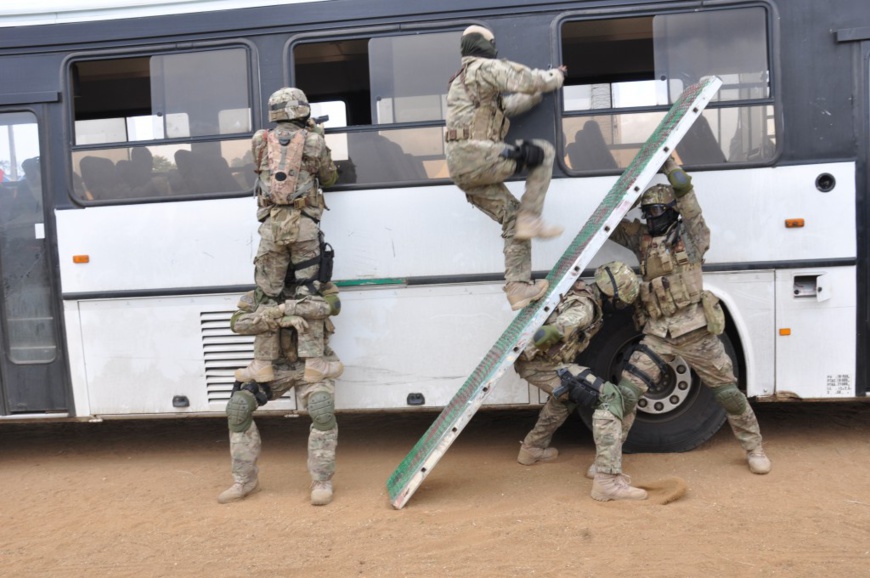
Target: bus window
x,y
378,82
613,102
190,111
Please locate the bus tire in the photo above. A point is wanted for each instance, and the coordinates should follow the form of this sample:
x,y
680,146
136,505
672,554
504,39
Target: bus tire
x,y
680,415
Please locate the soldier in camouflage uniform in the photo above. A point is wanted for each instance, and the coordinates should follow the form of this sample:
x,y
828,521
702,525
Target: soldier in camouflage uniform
x,y
318,397
682,319
292,162
549,365
479,161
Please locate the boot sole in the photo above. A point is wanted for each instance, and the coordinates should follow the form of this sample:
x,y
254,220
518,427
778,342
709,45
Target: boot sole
x,y
527,236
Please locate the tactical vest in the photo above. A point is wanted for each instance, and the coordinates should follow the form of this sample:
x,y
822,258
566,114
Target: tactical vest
x,y
284,155
566,351
478,119
672,275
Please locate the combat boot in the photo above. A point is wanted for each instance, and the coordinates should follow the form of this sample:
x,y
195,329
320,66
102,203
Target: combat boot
x,y
259,370
759,463
321,493
318,369
529,456
531,226
520,293
238,491
608,487
591,471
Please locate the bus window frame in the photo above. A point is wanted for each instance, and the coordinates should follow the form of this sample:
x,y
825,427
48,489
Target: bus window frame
x,y
254,100
367,33
772,100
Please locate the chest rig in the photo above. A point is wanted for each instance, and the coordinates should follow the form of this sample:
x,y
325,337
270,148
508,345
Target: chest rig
x,y
671,271
479,119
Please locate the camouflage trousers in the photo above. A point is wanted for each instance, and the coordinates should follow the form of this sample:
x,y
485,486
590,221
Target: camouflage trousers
x,y
309,343
608,431
245,446
287,237
706,354
480,172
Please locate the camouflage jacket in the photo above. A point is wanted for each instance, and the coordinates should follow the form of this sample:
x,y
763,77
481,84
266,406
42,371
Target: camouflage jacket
x,y
578,316
317,167
670,266
476,107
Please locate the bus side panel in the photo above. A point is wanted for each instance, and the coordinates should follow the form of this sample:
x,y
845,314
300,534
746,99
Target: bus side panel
x,y
816,319
749,297
427,340
137,355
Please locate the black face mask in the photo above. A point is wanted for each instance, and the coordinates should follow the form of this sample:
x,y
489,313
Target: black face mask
x,y
475,44
659,218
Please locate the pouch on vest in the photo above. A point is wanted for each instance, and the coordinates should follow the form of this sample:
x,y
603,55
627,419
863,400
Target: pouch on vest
x,y
713,312
661,287
285,162
650,303
679,292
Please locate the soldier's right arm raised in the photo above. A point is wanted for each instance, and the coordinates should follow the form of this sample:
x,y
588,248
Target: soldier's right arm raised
x,y
515,77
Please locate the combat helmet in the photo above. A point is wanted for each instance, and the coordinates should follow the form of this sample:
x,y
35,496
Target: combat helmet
x,y
618,282
658,207
658,195
478,41
288,104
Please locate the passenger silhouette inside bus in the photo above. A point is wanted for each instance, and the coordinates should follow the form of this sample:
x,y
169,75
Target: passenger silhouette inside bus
x,y
589,151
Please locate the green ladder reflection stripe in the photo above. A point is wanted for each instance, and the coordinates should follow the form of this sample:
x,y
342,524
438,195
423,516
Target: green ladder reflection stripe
x,y
458,412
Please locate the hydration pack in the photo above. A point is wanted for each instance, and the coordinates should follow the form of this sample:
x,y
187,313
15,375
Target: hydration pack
x,y
285,161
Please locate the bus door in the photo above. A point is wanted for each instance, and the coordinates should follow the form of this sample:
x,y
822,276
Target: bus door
x,y
32,375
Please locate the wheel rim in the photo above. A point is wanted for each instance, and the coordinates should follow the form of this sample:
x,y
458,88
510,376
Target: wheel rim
x,y
671,392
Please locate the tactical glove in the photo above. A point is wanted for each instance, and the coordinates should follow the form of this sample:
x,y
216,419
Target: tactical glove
x,y
678,178
334,303
546,336
294,321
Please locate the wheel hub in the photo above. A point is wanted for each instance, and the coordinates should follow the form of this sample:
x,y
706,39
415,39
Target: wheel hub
x,y
670,392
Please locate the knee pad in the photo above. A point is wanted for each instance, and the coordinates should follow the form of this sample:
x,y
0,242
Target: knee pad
x,y
532,154
240,411
632,368
729,397
321,408
631,394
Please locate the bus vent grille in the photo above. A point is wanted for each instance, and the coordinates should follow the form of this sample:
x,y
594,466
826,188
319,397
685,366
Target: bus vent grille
x,y
224,352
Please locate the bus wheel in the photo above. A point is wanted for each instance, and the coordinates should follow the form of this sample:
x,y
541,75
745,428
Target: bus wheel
x,y
678,415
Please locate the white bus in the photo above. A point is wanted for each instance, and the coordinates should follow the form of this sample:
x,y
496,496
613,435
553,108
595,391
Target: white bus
x,y
128,229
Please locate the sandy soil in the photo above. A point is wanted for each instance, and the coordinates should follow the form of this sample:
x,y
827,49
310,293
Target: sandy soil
x,y
138,499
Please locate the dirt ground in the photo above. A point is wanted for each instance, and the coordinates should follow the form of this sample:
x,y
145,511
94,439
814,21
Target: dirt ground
x,y
138,499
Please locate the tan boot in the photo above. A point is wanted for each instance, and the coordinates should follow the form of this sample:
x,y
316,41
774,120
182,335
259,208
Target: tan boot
x,y
529,456
259,370
321,493
520,294
608,487
318,369
531,226
759,463
238,491
591,471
